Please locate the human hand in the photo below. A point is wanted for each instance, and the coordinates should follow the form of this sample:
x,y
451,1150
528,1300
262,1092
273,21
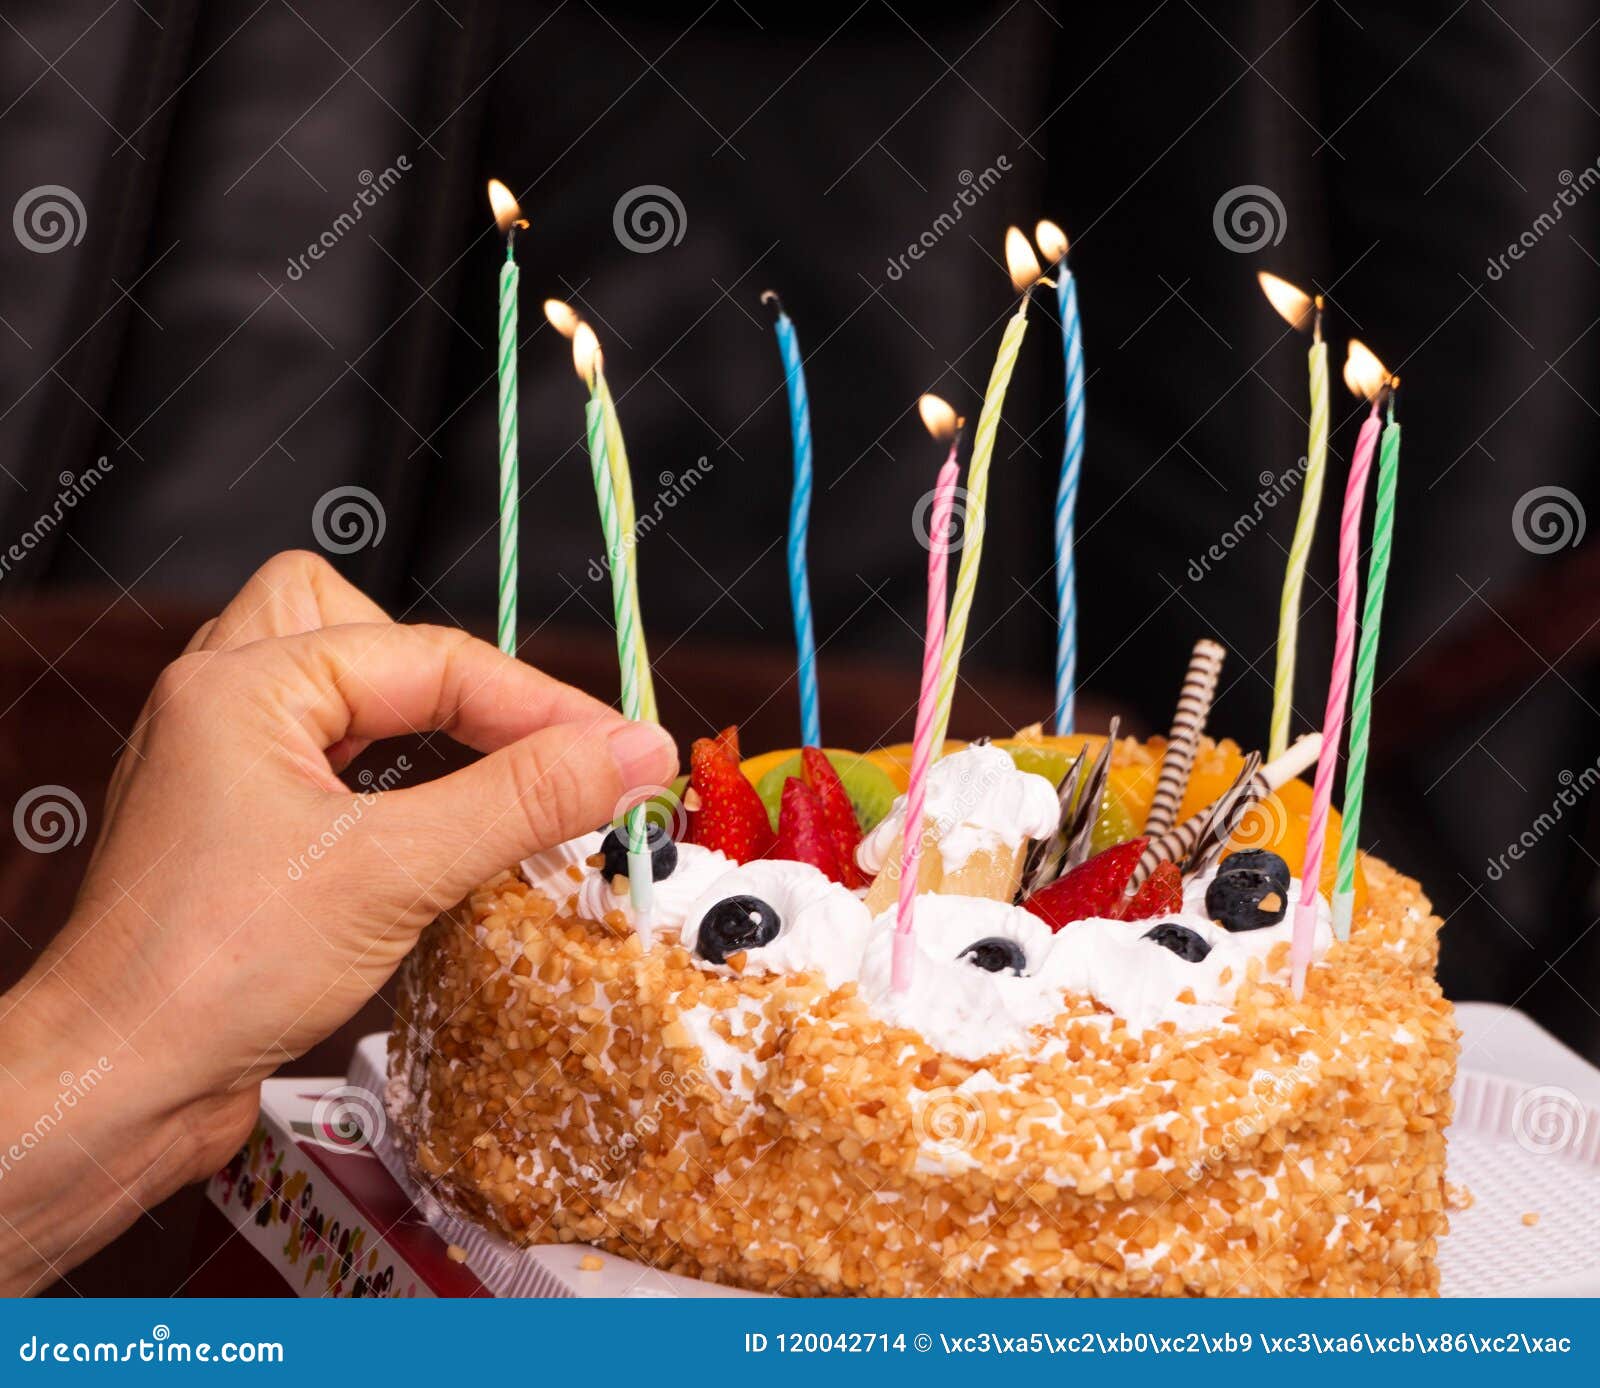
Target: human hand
x,y
242,902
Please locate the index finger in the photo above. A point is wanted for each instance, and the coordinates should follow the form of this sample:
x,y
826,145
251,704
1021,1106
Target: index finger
x,y
373,681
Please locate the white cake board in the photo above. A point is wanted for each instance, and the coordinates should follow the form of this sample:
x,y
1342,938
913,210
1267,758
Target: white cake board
x,y
1526,1140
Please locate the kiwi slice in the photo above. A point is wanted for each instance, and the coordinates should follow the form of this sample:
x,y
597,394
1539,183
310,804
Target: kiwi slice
x,y
870,790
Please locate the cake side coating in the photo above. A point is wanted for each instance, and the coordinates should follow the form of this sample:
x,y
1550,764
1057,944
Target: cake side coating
x,y
553,1079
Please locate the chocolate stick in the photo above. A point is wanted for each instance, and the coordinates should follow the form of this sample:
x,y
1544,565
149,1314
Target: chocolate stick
x,y
1188,722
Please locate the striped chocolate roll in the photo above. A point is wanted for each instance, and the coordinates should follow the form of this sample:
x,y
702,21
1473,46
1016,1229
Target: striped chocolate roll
x,y
1199,841
1179,843
1194,705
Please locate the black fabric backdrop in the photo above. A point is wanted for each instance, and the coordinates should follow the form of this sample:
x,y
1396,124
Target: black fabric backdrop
x,y
229,389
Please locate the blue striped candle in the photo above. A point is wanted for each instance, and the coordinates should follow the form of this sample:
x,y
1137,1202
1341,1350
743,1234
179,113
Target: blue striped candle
x,y
1053,243
800,525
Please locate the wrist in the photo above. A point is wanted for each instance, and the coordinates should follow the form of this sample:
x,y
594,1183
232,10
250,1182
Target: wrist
x,y
88,1138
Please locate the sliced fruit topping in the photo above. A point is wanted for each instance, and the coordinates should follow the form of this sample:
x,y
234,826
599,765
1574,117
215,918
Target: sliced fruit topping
x,y
1180,940
803,832
728,814
733,924
1161,895
1092,889
872,793
1250,891
729,739
663,853
995,954
838,813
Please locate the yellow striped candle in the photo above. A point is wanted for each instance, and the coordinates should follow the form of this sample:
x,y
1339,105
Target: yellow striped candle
x,y
564,319
586,357
1302,313
1025,273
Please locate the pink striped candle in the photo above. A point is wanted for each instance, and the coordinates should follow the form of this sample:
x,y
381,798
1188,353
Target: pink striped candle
x,y
940,419
1305,916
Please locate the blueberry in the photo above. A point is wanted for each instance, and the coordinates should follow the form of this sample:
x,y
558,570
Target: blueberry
x,y
663,853
733,924
996,954
1250,891
1180,940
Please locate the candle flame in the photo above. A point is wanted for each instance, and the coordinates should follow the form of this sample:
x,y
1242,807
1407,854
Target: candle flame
x,y
1052,241
1364,373
1293,304
562,317
1021,261
939,417
586,354
506,212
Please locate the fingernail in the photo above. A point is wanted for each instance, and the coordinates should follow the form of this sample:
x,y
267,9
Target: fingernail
x,y
644,753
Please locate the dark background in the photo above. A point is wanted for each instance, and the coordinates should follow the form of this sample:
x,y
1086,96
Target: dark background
x,y
1409,146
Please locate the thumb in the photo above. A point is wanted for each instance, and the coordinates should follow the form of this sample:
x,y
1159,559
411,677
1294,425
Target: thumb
x,y
537,792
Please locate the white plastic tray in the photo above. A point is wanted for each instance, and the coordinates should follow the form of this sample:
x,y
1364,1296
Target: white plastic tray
x,y
1525,1141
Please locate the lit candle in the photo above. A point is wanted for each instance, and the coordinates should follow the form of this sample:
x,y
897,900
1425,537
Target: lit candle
x,y
1365,375
1355,773
799,524
1053,245
590,366
1302,313
508,217
1025,273
943,423
564,319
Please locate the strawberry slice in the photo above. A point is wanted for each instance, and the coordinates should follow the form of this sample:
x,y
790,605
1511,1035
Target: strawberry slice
x,y
1092,889
1161,894
730,816
803,831
838,814
728,739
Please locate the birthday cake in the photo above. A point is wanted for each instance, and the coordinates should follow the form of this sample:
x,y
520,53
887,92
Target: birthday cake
x,y
1098,1082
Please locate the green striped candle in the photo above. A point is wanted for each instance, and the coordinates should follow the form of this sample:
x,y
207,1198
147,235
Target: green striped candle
x,y
586,355
1366,669
1025,272
507,219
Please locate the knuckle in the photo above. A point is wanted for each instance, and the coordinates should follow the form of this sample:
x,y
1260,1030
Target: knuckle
x,y
184,681
556,788
290,564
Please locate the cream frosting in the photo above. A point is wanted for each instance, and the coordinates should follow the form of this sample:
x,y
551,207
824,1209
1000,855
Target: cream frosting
x,y
824,926
977,799
671,900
